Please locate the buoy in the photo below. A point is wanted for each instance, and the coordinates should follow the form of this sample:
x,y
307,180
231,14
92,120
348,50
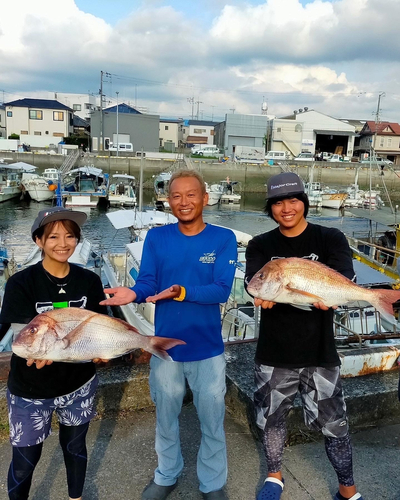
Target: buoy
x,y
52,187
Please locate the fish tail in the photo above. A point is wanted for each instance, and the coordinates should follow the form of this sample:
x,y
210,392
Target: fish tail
x,y
160,345
383,301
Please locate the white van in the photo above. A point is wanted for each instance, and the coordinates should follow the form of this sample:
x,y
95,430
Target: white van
x,y
277,155
122,146
205,150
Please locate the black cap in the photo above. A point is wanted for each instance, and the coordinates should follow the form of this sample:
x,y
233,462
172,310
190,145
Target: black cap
x,y
57,213
286,184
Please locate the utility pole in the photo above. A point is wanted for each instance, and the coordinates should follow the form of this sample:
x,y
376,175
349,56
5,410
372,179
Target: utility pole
x,y
212,113
377,116
197,115
102,74
233,110
117,127
191,100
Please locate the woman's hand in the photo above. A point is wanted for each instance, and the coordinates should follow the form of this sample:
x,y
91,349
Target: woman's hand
x,y
40,363
122,295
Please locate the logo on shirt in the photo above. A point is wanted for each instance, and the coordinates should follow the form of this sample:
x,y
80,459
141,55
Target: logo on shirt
x,y
208,258
42,307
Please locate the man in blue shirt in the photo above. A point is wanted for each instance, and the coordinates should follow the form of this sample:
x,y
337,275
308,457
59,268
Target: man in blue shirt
x,y
190,266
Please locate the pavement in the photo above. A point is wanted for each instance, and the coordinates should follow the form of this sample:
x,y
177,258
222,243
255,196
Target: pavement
x,y
122,459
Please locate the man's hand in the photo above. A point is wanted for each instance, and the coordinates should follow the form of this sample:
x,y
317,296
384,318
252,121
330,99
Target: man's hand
x,y
40,363
169,293
100,360
265,304
121,296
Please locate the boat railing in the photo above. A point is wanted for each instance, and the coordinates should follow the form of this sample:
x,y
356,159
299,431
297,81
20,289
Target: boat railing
x,y
240,324
382,256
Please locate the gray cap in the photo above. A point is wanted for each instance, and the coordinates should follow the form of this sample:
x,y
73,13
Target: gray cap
x,y
57,213
286,184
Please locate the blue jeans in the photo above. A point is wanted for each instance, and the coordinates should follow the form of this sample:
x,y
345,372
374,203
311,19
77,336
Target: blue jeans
x,y
206,379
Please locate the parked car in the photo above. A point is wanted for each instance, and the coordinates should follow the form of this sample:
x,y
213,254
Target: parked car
x,y
304,157
336,157
380,161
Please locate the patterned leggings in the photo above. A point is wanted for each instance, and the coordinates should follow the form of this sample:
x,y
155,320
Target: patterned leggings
x,y
338,450
25,459
323,407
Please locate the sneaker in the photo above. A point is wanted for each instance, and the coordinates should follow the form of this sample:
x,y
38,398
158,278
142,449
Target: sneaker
x,y
272,489
154,491
215,495
357,496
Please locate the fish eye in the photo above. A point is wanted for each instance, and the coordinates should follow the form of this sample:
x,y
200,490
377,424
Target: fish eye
x,y
261,275
32,329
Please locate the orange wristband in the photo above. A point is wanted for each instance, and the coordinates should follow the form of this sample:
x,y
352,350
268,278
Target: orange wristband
x,y
182,295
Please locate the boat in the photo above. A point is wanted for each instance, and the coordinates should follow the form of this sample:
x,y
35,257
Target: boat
x,y
314,194
359,198
90,188
38,188
10,179
331,198
122,191
214,193
228,192
161,184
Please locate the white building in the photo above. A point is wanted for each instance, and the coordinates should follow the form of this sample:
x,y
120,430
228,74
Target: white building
x,y
3,130
39,117
171,133
310,131
198,132
82,104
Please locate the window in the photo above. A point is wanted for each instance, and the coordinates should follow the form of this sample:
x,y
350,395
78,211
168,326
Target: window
x,y
9,114
298,128
58,116
24,132
37,133
211,132
35,114
389,142
199,131
76,107
381,141
166,127
87,106
279,129
58,134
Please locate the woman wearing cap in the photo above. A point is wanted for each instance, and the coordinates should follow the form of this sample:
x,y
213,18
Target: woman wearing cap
x,y
296,350
38,388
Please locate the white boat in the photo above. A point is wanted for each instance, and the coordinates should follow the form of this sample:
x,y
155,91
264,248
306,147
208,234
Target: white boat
x,y
214,193
314,194
122,191
333,199
10,179
90,188
228,192
359,198
38,187
161,184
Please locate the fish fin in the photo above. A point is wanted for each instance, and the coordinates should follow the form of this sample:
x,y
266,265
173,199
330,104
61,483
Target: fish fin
x,y
306,294
304,307
160,345
382,300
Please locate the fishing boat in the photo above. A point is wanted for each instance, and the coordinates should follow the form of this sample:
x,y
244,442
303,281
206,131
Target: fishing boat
x,y
229,196
10,179
331,198
161,184
215,192
122,191
38,188
90,188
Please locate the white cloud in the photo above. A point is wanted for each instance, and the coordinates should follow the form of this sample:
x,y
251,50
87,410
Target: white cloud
x,y
324,55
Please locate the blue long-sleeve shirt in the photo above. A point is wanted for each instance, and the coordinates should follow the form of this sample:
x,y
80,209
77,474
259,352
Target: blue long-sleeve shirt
x,y
205,265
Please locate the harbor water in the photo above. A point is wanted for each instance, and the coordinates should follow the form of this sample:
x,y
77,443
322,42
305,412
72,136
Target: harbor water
x,y
17,216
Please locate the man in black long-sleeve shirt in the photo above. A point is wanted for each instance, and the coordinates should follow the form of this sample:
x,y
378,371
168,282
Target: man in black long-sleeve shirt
x,y
296,349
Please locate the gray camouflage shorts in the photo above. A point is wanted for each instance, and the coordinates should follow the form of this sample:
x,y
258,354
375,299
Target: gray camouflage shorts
x,y
320,389
30,419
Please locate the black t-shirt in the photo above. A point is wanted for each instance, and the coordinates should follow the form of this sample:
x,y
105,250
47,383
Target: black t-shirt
x,y
30,292
291,337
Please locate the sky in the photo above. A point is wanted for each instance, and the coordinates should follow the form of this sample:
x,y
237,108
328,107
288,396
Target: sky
x,y
206,58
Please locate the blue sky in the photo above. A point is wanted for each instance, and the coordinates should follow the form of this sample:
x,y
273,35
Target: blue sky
x,y
332,56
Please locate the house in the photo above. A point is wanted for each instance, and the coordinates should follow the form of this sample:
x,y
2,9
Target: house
x,y
171,134
33,118
311,131
198,132
241,130
128,125
383,137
